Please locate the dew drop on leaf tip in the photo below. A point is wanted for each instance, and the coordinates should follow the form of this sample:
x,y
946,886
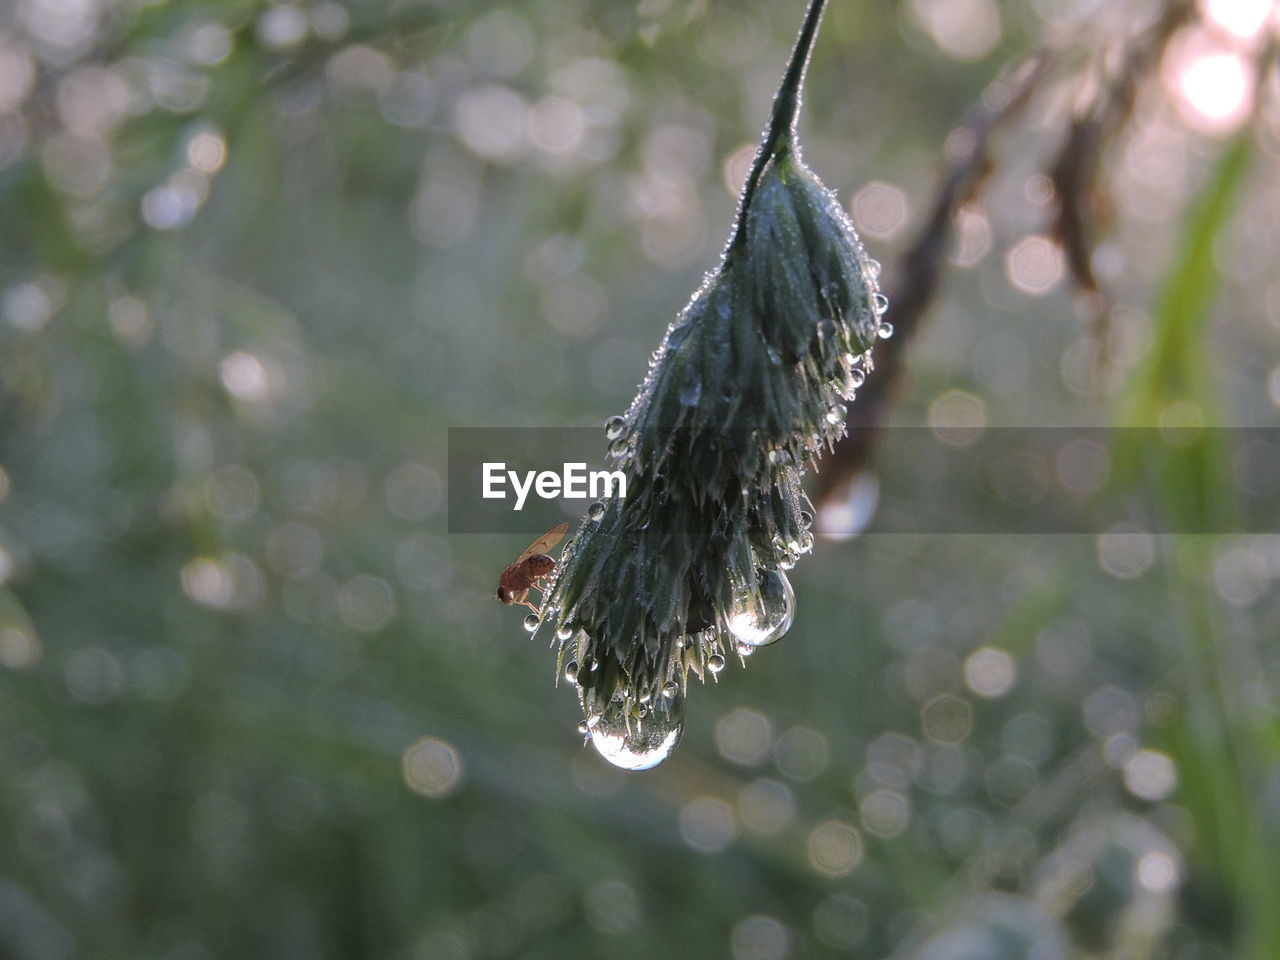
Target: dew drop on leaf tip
x,y
764,618
596,510
614,426
884,331
632,743
532,622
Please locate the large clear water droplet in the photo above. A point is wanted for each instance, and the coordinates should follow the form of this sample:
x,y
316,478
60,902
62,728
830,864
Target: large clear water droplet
x,y
764,618
596,510
715,663
639,743
881,304
619,447
531,622
571,671
564,632
857,377
614,426
884,331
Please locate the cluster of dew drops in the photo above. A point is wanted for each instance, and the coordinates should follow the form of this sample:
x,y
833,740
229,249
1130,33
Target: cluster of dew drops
x,y
640,735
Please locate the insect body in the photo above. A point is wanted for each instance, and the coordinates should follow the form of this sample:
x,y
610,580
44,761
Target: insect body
x,y
528,570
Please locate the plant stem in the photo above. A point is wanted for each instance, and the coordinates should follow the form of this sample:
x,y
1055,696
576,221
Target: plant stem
x,y
786,108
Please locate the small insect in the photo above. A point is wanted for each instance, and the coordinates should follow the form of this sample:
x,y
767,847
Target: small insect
x,y
527,571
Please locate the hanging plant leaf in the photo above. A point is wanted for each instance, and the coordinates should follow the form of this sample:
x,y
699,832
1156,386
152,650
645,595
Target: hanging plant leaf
x,y
746,389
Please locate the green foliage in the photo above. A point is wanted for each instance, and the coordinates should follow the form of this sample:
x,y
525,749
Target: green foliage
x,y
254,699
746,386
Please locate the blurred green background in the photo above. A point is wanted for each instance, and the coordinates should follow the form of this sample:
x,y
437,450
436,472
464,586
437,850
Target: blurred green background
x,y
255,259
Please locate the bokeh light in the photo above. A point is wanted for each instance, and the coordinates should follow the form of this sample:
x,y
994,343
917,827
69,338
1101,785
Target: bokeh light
x,y
1211,82
258,259
432,768
1035,265
835,848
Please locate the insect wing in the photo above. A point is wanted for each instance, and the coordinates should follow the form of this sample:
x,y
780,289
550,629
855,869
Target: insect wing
x,y
544,542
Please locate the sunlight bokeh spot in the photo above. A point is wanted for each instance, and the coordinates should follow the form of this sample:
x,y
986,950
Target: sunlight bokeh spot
x,y
366,603
766,807
1150,775
744,737
432,768
835,848
1159,872
1126,551
841,921
707,824
1211,83
759,937
1035,265
990,672
885,813
962,29
947,719
879,209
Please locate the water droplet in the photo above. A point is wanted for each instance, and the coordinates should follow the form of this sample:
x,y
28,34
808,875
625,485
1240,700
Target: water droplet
x,y
670,689
619,447
532,622
779,456
806,519
571,671
764,618
744,649
857,377
786,563
584,728
614,426
837,414
873,269
565,632
596,510
884,331
638,744
881,304
715,663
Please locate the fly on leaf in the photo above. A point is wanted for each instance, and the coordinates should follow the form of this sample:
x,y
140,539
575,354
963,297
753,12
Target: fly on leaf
x,y
527,571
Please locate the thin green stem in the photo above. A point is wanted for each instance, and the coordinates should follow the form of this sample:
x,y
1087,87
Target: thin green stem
x,y
786,108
